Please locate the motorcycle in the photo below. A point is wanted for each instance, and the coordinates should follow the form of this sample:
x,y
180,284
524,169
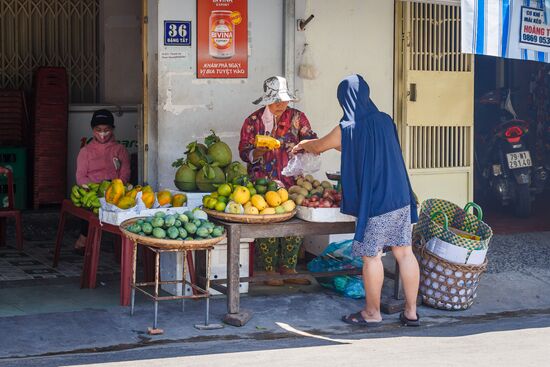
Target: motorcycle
x,y
508,169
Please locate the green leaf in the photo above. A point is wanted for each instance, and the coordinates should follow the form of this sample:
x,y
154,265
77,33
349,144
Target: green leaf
x,y
211,139
191,147
211,174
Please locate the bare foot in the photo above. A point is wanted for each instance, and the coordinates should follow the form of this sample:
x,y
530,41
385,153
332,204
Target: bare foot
x,y
80,242
411,315
371,317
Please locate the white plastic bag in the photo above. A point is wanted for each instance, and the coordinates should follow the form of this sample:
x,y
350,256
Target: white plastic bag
x,y
307,69
302,164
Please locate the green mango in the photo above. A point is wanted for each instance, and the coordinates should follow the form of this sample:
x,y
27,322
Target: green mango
x,y
197,223
189,215
160,214
202,232
159,233
134,228
147,228
172,232
191,228
217,232
169,220
183,218
177,223
182,232
158,222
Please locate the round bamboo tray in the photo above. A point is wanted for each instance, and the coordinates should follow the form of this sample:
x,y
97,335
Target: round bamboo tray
x,y
251,218
167,244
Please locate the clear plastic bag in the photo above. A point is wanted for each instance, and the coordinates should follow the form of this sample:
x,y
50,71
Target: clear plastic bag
x,y
302,164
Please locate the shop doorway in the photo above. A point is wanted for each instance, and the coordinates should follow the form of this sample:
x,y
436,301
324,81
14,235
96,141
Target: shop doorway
x,y
100,44
433,100
512,116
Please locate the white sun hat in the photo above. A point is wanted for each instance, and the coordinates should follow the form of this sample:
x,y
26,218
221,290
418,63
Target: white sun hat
x,y
275,90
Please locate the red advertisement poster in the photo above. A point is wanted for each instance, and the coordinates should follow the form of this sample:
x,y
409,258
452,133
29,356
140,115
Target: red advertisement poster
x,y
222,39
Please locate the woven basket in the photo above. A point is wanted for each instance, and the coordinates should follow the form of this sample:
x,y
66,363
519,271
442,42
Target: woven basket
x,y
445,285
167,244
429,225
251,218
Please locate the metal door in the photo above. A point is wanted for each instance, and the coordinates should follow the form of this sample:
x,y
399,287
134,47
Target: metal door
x,y
36,33
434,101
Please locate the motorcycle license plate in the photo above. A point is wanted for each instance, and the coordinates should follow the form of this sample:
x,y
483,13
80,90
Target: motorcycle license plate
x,y
519,159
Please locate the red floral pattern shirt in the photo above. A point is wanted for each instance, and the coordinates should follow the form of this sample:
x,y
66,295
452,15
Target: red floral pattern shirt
x,y
291,128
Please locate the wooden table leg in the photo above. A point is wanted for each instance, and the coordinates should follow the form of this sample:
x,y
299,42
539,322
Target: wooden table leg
x,y
234,315
126,263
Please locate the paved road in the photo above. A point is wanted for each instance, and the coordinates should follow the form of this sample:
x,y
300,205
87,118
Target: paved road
x,y
517,341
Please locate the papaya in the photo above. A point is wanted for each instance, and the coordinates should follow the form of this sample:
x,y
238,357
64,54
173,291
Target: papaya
x,y
132,193
178,200
115,191
164,197
126,202
148,199
147,189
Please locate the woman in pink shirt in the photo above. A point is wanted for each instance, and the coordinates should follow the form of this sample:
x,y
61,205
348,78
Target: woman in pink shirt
x,y
101,159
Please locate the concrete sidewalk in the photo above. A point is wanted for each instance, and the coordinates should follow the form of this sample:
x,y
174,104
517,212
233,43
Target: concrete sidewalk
x,y
63,319
112,328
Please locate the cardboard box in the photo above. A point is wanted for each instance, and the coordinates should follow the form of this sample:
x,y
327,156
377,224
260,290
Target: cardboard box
x,y
455,254
171,267
116,218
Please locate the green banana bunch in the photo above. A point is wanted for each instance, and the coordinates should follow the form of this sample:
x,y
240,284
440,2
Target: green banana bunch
x,y
86,196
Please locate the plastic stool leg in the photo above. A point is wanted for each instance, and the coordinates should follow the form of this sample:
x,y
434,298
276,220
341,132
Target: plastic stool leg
x,y
128,257
2,231
59,237
19,231
94,260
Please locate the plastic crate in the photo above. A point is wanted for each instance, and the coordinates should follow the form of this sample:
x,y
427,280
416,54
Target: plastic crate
x,y
19,192
16,160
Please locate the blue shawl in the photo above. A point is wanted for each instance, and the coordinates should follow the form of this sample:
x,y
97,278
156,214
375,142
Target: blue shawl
x,y
374,177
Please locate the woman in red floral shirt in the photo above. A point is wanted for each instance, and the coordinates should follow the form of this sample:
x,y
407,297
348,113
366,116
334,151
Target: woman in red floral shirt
x,y
289,126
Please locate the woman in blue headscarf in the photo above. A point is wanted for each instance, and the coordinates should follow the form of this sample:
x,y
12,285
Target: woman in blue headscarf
x,y
376,190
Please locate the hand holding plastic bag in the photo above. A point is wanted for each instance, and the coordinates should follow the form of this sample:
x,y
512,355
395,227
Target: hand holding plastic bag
x,y
302,164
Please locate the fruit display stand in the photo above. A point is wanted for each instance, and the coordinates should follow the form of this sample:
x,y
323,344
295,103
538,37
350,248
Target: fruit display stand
x,y
293,227
159,246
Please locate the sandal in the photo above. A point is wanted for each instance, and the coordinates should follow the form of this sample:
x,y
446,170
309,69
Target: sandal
x,y
408,322
358,319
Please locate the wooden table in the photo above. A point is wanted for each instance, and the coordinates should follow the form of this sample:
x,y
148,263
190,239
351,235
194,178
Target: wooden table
x,y
294,227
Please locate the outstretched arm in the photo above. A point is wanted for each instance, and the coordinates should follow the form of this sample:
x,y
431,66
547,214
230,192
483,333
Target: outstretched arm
x,y
332,140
